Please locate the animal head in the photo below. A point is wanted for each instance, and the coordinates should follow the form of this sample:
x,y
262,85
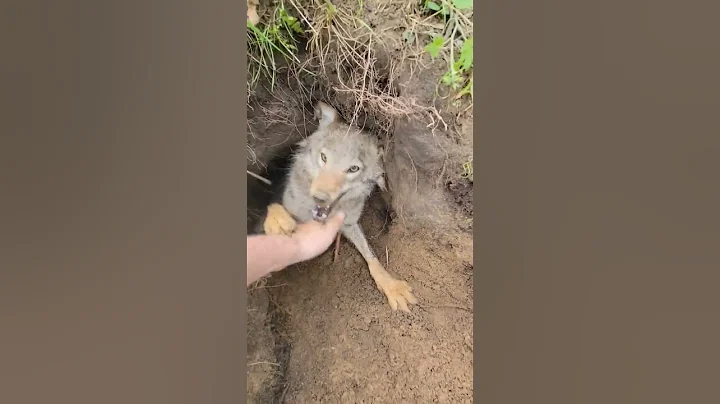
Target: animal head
x,y
340,158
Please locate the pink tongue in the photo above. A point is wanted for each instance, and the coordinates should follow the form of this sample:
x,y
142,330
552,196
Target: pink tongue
x,y
320,213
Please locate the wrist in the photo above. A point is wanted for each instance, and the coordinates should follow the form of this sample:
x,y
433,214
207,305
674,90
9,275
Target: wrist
x,y
296,250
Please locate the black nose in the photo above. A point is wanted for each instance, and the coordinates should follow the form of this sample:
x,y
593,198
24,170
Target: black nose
x,y
321,197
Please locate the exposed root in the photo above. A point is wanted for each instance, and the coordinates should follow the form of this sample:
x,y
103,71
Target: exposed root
x,y
337,248
263,179
355,65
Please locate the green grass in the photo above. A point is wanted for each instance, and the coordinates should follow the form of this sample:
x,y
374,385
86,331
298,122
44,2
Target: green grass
x,y
455,44
276,36
339,39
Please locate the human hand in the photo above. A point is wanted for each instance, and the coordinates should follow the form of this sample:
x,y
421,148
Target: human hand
x,y
313,238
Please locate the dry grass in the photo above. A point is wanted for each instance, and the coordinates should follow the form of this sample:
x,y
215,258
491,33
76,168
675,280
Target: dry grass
x,y
343,49
358,65
343,57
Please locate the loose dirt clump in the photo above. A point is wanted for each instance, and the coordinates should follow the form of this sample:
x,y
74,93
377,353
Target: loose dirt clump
x,y
321,331
462,193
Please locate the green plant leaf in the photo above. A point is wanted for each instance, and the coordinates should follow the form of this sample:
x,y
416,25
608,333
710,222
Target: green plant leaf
x,y
295,26
290,22
452,79
465,61
467,90
432,6
463,4
434,47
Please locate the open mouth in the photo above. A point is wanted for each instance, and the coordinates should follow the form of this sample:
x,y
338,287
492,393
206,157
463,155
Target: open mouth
x,y
320,213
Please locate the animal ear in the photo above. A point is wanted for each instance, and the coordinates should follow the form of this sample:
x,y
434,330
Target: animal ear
x,y
326,114
381,153
381,182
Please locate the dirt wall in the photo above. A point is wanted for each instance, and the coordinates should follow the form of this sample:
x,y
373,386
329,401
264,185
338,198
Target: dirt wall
x,y
321,331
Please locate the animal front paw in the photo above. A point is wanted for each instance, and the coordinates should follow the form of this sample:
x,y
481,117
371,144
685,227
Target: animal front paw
x,y
279,221
398,293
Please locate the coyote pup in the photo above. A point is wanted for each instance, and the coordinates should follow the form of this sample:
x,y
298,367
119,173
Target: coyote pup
x,y
336,168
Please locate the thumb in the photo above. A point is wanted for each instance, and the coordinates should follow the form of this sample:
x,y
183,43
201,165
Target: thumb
x,y
335,221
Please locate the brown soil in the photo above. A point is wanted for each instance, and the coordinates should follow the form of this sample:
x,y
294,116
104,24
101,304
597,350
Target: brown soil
x,y
462,192
331,336
321,331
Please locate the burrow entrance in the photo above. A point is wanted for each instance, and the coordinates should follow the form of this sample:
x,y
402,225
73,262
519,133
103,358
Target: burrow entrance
x,y
320,331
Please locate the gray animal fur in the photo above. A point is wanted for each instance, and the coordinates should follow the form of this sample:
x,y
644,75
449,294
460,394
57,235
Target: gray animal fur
x,y
330,153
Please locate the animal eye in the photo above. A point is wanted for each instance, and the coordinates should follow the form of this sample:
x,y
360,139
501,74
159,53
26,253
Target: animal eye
x,y
353,169
323,157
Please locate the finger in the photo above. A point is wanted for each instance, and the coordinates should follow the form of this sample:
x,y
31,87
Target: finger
x,y
410,298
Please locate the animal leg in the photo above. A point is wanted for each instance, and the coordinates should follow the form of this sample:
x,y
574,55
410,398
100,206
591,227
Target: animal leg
x,y
398,292
279,221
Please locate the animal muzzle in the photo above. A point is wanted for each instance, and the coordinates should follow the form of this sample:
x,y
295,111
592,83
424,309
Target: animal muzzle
x,y
325,190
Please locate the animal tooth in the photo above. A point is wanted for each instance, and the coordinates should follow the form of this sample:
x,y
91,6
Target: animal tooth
x,y
320,213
